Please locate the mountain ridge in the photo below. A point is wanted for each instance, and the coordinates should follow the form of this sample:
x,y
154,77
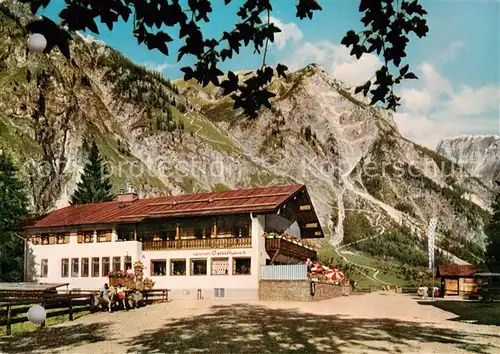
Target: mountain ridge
x,y
172,137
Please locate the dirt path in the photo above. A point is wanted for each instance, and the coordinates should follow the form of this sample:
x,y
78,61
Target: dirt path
x,y
372,323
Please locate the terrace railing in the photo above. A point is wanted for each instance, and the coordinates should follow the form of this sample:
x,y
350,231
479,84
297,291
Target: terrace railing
x,y
227,242
287,247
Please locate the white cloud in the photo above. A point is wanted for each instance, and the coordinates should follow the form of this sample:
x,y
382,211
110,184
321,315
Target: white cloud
x,y
158,67
436,111
416,100
434,82
289,31
429,130
336,60
451,51
469,101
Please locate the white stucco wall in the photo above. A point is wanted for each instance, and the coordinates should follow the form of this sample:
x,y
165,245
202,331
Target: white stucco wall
x,y
54,254
236,286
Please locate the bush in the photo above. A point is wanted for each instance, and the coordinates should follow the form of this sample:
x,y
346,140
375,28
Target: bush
x,y
405,208
356,227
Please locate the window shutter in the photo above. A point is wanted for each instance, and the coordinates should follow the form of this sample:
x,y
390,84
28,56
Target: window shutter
x,y
108,236
66,237
52,239
80,237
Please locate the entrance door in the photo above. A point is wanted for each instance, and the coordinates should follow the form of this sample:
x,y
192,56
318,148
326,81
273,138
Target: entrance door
x,y
451,286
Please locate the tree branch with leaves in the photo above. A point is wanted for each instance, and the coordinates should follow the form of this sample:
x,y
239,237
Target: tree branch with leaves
x,y
387,27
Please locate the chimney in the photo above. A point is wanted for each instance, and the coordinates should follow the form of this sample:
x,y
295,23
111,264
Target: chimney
x,y
128,196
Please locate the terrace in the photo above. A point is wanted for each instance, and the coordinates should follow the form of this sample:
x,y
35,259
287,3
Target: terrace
x,y
284,248
225,242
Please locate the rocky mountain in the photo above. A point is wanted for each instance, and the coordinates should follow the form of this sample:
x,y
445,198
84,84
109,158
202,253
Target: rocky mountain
x,y
478,154
370,186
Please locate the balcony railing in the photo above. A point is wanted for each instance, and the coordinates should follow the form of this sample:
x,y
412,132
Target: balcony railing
x,y
288,248
228,242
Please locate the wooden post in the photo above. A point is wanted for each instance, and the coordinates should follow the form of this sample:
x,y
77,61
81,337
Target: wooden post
x,y
177,232
8,330
43,323
70,306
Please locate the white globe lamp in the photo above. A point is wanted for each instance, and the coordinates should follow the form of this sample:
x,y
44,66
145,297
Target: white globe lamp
x,y
37,314
37,42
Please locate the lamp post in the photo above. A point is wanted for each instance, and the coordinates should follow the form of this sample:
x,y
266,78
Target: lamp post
x,y
37,42
37,314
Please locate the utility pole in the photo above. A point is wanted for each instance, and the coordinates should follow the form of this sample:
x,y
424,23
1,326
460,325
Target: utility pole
x,y
431,232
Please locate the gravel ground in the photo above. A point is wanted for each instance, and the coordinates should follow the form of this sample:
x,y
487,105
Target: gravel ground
x,y
371,323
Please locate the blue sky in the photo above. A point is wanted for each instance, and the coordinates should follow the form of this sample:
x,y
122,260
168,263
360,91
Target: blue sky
x,y
458,63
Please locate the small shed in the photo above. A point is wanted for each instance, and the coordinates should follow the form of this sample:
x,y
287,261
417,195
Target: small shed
x,y
458,279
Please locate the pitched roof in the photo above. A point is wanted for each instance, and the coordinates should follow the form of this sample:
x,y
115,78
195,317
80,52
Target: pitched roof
x,y
463,270
266,199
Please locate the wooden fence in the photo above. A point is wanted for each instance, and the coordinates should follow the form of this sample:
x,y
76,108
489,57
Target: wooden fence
x,y
19,302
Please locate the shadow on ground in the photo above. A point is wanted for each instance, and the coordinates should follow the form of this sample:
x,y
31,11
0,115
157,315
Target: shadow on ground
x,y
469,311
51,338
256,329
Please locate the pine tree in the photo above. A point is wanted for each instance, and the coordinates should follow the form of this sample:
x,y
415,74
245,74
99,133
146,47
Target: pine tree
x,y
492,230
95,185
13,210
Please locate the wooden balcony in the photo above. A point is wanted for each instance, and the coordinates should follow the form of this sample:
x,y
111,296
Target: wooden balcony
x,y
287,248
196,244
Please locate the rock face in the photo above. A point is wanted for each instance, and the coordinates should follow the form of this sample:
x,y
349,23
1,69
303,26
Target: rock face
x,y
172,138
478,154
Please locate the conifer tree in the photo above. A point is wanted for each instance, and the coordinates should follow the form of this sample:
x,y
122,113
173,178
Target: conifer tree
x,y
95,185
492,230
13,210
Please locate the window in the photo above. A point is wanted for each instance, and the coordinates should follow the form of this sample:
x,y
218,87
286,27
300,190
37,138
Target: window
x,y
126,234
85,267
127,262
36,240
171,235
104,235
198,267
88,237
241,266
117,263
44,269
95,267
244,232
187,233
74,267
220,266
64,267
240,231
158,267
198,233
178,267
45,239
62,238
105,266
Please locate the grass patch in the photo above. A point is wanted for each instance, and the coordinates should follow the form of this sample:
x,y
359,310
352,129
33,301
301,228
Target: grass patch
x,y
191,185
207,131
220,187
445,165
263,178
15,141
358,259
123,165
26,327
